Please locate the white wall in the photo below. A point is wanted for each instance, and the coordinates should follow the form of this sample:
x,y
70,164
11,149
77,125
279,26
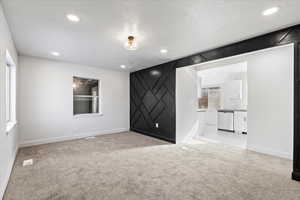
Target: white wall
x,y
8,141
187,123
46,101
270,101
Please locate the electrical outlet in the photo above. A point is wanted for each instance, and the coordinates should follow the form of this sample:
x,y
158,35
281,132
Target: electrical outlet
x,y
27,162
156,125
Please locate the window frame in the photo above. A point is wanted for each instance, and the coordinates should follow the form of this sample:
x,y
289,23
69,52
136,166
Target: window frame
x,y
100,99
10,92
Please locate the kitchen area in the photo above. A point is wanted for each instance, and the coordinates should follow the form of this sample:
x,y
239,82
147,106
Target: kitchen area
x,y
222,104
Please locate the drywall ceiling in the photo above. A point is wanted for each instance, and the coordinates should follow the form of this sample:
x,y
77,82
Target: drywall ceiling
x,y
183,27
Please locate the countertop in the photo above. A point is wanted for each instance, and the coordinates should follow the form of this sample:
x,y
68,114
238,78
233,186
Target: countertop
x,y
232,110
224,110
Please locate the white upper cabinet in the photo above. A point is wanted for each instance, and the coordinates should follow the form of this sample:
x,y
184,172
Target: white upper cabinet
x,y
232,94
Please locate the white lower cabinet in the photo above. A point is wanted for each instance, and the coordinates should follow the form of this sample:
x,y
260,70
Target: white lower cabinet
x,y
240,121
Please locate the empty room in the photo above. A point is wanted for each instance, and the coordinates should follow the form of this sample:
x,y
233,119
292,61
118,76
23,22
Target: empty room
x,y
149,100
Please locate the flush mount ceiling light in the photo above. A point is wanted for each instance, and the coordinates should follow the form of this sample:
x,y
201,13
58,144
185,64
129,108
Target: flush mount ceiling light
x,y
131,43
73,18
54,53
123,66
163,51
270,11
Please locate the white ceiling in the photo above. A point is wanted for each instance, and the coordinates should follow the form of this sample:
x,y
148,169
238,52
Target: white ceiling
x,y
184,27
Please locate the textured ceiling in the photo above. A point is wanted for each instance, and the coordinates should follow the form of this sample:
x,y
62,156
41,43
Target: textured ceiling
x,y
183,27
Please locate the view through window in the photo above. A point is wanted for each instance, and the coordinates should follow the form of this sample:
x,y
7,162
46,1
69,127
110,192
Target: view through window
x,y
85,96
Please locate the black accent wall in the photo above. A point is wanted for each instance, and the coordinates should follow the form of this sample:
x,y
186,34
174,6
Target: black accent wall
x,y
139,99
152,100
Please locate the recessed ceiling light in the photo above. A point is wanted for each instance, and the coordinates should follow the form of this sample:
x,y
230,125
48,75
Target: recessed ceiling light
x,y
123,66
163,51
270,11
73,18
54,53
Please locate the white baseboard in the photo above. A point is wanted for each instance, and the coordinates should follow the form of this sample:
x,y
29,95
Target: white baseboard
x,y
29,143
6,178
271,152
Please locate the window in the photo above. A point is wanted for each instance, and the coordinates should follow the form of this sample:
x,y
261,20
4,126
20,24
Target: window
x,y
7,78
10,89
86,98
203,99
210,98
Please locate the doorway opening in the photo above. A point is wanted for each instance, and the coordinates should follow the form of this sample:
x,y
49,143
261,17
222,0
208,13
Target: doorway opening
x,y
244,101
222,103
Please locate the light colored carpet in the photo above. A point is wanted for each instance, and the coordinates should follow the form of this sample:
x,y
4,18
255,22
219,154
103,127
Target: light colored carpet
x,y
130,166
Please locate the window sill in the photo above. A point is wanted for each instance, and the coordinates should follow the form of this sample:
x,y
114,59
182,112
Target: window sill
x,y
87,115
10,126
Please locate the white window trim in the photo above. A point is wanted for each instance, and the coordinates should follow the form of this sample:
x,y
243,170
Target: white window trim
x,y
100,99
10,125
87,115
7,92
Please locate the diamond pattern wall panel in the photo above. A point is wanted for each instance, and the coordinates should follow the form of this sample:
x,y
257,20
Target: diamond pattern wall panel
x,y
152,100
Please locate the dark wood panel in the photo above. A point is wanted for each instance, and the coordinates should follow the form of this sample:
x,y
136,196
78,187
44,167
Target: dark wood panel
x,y
254,44
296,162
141,84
